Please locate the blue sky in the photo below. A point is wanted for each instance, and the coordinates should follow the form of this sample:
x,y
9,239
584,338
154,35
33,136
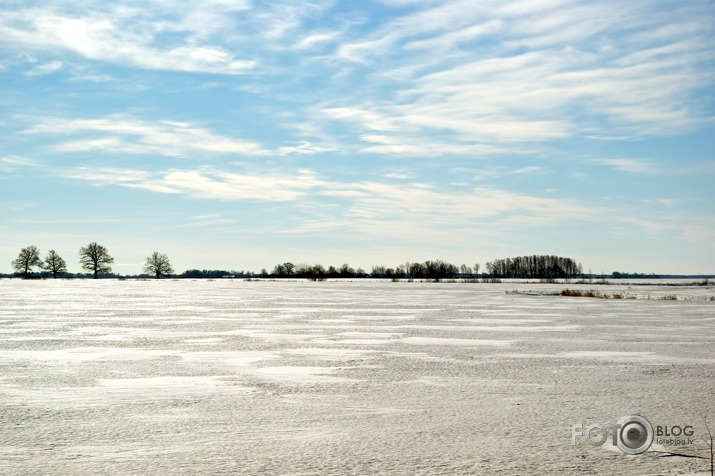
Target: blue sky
x,y
239,134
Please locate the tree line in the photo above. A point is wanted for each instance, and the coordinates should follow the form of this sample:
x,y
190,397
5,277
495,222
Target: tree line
x,y
96,260
93,258
436,269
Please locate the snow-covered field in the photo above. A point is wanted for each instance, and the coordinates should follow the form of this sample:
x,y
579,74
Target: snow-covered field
x,y
236,377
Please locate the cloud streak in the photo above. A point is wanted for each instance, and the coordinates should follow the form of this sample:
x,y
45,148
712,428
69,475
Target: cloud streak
x,y
512,74
454,77
126,135
363,201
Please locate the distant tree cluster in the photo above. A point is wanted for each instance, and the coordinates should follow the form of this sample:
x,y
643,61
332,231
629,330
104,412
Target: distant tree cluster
x,y
214,273
536,266
316,271
619,275
436,269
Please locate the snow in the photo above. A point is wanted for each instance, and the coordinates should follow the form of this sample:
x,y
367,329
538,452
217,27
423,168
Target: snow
x,y
228,376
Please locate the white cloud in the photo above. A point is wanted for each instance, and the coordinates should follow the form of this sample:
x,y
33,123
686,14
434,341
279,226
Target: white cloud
x,y
15,161
398,176
204,183
121,134
529,170
304,148
315,40
122,36
46,68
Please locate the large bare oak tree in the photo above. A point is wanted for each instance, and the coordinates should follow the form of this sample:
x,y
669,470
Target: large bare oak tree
x,y
95,258
54,264
158,264
27,259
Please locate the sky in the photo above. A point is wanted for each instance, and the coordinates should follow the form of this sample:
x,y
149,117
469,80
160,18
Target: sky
x,y
237,134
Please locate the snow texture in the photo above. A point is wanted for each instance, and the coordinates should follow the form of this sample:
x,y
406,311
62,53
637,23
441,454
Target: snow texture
x,y
228,376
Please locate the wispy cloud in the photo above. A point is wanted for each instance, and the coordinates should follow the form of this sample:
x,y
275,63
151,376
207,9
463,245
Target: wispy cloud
x,y
304,148
428,123
635,166
360,201
454,76
11,163
536,76
126,135
204,183
18,161
46,68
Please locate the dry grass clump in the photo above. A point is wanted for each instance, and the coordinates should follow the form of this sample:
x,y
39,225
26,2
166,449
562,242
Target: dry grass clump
x,y
595,294
617,295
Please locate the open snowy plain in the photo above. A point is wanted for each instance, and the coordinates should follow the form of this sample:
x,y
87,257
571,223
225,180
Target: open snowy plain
x,y
235,377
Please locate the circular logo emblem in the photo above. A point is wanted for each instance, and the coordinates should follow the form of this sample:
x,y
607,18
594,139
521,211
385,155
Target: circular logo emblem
x,y
635,435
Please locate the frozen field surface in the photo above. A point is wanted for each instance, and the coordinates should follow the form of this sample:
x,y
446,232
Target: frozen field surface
x,y
236,377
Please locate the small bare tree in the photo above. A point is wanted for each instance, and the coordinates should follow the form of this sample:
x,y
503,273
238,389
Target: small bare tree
x,y
27,259
95,258
158,264
54,264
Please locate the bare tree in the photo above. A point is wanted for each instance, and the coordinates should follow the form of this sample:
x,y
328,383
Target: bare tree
x,y
27,259
95,258
289,267
345,271
476,269
54,264
158,264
